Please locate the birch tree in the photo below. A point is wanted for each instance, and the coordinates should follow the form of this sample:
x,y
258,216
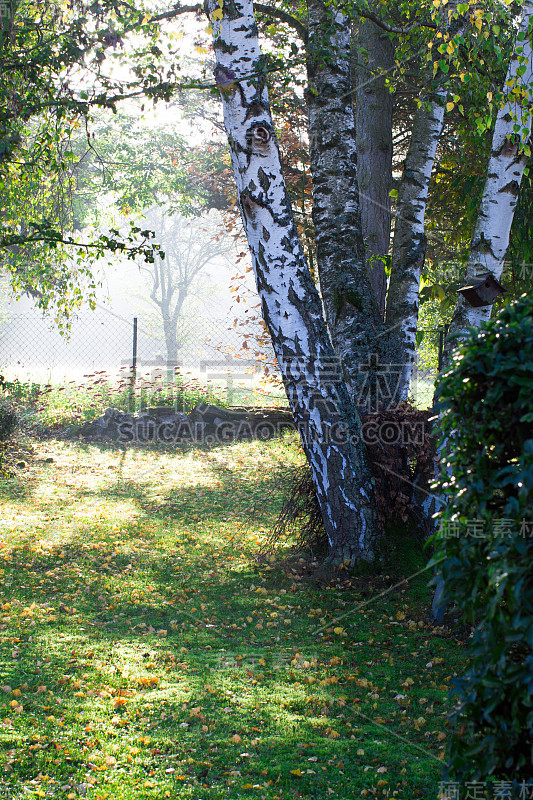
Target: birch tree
x,y
508,159
350,303
409,244
290,302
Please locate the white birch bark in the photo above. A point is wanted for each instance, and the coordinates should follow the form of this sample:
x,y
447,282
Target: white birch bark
x,y
350,305
290,303
409,244
490,240
493,227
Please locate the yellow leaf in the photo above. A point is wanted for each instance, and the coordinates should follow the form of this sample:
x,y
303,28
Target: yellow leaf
x,y
338,631
217,14
236,738
298,772
478,23
450,106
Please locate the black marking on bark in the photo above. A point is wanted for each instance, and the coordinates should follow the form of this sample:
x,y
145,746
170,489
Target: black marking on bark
x,y
249,206
483,246
231,11
264,180
509,146
226,47
512,187
348,300
255,109
266,234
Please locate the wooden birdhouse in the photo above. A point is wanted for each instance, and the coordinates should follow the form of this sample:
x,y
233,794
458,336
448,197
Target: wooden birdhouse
x,y
482,290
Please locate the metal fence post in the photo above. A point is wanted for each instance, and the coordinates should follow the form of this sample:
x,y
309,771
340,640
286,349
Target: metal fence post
x,y
133,366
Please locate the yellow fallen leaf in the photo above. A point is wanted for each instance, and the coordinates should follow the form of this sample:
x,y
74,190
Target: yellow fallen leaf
x,y
298,772
236,738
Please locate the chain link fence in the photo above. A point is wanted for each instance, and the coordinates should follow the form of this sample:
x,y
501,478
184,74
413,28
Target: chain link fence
x,y
209,349
33,350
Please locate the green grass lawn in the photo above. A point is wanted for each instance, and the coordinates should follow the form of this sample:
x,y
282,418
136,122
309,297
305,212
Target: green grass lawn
x,y
145,652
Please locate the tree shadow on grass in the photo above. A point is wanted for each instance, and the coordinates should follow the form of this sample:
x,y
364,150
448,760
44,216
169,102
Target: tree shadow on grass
x,y
106,616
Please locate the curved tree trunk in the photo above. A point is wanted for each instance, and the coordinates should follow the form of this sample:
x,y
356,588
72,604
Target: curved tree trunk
x,y
493,227
490,240
351,309
409,246
290,302
373,128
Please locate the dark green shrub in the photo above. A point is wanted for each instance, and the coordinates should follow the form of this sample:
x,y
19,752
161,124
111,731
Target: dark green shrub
x,y
486,539
8,421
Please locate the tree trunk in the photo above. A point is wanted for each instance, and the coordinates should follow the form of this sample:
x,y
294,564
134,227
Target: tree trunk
x,y
490,240
351,309
493,227
373,128
409,246
171,344
290,302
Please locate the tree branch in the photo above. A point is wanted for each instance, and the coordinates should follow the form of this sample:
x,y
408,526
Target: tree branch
x,y
283,16
385,26
177,10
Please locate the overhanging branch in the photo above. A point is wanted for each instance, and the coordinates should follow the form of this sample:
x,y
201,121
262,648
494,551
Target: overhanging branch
x,y
283,16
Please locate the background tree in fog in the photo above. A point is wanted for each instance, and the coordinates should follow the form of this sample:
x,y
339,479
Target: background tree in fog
x,y
191,245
